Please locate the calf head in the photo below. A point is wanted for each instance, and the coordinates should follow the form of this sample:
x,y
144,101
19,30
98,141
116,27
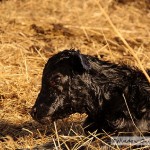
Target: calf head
x,y
58,96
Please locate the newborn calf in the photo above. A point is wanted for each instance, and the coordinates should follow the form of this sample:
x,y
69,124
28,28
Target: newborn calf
x,y
116,98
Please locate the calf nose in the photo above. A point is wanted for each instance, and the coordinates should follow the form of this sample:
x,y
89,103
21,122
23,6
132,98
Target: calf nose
x,y
33,112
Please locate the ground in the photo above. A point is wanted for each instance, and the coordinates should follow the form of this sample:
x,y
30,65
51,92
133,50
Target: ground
x,y
32,31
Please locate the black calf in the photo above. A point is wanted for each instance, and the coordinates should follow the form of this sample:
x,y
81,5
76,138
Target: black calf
x,y
115,97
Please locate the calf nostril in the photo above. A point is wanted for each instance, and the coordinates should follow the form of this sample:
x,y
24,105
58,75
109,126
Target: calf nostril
x,y
33,111
41,105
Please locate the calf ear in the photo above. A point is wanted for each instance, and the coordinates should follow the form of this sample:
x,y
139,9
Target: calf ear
x,y
80,62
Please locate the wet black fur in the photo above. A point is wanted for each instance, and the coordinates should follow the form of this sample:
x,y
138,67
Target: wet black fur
x,y
106,92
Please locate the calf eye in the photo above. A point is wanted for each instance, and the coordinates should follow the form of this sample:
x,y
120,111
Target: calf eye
x,y
58,79
52,83
55,80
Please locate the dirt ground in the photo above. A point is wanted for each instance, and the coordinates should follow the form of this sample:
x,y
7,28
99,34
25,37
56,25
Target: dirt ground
x,y
32,31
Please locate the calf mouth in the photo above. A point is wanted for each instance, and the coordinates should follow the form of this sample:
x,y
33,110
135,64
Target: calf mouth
x,y
45,121
41,119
